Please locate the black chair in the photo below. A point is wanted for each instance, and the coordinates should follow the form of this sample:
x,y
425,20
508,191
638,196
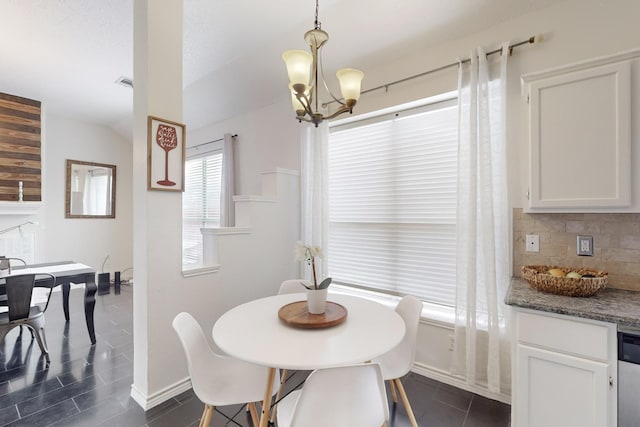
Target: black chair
x,y
5,266
19,290
5,262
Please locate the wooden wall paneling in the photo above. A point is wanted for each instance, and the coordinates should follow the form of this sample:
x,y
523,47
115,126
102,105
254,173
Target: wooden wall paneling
x,y
20,148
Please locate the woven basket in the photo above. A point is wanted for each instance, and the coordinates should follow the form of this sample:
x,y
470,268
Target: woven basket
x,y
539,278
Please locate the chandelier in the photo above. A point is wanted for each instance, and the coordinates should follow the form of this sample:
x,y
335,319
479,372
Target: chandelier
x,y
303,68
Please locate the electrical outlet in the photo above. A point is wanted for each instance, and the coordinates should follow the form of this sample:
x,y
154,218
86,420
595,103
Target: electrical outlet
x,y
533,243
452,341
584,245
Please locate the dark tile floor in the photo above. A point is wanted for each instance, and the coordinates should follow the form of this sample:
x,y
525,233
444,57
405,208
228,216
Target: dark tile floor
x,y
90,385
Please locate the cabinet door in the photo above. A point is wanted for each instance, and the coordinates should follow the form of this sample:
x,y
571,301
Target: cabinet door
x,y
555,389
580,139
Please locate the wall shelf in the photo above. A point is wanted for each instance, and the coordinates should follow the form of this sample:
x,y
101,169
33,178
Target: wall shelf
x,y
20,208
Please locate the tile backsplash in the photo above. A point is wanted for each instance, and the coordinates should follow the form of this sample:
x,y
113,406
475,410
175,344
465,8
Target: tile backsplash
x,y
616,243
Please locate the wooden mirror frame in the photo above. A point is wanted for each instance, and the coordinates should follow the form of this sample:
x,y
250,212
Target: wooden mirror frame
x,y
70,165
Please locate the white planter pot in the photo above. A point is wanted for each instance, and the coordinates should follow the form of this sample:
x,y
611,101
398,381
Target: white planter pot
x,y
317,300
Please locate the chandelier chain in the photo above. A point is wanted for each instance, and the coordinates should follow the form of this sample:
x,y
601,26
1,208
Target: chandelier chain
x,y
317,23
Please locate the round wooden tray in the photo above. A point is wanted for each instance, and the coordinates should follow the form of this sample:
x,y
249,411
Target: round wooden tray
x,y
295,314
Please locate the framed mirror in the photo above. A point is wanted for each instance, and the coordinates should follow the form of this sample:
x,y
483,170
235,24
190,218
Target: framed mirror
x,y
91,190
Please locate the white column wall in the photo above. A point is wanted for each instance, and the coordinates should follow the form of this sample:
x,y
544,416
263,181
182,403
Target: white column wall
x,y
157,215
251,265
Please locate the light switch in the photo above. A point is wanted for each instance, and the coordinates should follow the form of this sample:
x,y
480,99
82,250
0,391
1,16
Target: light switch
x,y
533,243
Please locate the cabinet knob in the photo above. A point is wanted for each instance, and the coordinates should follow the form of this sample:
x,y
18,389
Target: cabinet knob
x,y
611,382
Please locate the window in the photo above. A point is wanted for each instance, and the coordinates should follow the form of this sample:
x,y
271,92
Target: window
x,y
200,201
392,203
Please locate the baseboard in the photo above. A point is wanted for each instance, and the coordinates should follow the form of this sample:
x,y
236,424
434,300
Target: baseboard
x,y
447,378
148,402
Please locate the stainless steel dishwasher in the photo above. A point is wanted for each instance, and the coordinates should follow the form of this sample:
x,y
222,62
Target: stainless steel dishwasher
x,y
628,378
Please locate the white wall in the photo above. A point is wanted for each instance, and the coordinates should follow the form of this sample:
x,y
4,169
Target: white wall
x,y
573,31
88,241
267,139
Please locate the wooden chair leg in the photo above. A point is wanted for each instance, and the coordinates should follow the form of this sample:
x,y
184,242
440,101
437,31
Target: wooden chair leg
x,y
392,386
254,414
266,402
204,413
405,402
208,413
283,380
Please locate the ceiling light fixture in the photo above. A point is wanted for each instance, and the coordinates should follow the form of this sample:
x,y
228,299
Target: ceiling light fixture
x,y
301,65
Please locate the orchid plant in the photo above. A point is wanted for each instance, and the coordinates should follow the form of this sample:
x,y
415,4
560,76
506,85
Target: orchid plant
x,y
309,253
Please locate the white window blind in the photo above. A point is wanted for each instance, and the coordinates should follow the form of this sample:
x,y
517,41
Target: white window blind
x,y
200,202
392,203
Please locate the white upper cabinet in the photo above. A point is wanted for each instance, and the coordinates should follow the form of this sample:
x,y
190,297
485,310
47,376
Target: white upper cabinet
x,y
583,146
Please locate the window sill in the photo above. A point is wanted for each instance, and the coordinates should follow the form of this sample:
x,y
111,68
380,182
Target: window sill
x,y
436,314
192,270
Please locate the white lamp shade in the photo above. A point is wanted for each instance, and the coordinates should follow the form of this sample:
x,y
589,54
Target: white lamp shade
x,y
298,66
350,80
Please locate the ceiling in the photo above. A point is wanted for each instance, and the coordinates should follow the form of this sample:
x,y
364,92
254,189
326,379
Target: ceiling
x,y
68,53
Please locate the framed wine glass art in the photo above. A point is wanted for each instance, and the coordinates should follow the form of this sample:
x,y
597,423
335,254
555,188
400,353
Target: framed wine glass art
x,y
165,155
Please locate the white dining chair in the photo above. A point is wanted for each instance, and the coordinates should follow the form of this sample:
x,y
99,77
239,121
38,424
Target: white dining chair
x,y
291,286
218,380
350,396
398,362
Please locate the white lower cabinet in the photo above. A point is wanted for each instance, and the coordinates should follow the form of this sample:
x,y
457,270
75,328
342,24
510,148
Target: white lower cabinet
x,y
565,372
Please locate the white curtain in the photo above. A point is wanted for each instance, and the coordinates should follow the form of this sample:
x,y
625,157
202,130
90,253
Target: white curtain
x,y
481,351
313,190
228,185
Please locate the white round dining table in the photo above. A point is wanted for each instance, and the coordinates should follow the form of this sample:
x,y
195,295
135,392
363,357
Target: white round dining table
x,y
253,332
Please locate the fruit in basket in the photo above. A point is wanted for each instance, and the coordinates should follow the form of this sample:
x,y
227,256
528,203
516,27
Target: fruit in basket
x,y
556,272
573,275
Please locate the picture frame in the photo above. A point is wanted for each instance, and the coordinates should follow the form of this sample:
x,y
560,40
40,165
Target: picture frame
x,y
165,154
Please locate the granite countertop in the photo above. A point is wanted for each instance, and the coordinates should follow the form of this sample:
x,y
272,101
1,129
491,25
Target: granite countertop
x,y
609,305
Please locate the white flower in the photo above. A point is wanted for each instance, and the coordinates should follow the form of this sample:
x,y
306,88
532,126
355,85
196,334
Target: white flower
x,y
315,251
309,254
301,251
